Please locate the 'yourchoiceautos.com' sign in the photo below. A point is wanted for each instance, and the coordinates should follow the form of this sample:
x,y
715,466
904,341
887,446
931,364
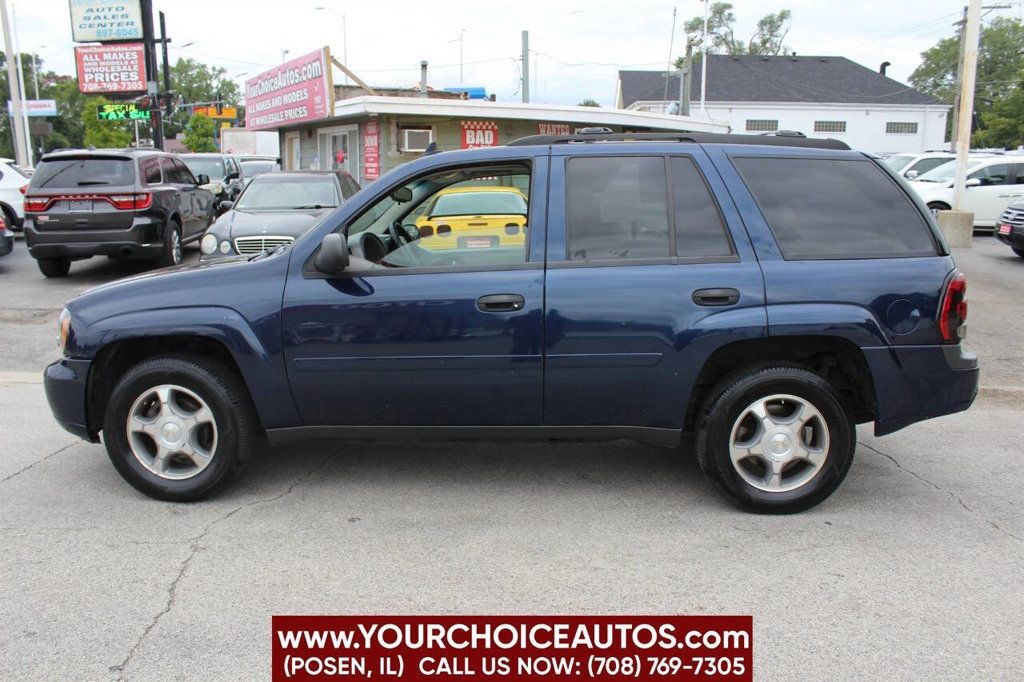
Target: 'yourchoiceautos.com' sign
x,y
105,21
297,91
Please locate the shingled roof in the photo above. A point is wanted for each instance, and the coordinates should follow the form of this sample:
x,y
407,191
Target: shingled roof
x,y
785,78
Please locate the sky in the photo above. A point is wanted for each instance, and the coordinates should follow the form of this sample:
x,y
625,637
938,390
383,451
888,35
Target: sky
x,y
576,47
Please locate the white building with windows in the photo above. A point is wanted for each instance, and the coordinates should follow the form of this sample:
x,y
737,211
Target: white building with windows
x,y
818,96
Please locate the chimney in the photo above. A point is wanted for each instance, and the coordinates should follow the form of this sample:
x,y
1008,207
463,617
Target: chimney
x,y
423,78
883,67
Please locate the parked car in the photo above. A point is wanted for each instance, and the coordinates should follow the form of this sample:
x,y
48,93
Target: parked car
x,y
665,287
251,167
912,164
137,203
6,238
224,173
1010,227
12,184
479,216
273,210
992,184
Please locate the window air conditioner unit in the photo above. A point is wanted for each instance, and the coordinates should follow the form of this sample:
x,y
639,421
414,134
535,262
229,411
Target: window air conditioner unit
x,y
416,139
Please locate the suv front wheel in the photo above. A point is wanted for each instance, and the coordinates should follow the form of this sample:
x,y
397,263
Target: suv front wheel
x,y
178,427
776,440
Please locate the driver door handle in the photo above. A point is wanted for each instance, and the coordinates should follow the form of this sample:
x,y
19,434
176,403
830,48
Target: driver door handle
x,y
500,303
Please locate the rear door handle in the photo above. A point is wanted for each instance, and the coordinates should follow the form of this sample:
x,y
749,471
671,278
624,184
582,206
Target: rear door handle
x,y
500,303
716,297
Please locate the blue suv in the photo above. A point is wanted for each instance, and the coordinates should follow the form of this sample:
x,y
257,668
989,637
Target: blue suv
x,y
764,294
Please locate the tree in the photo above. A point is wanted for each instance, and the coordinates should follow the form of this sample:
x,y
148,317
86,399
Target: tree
x,y
767,39
588,102
1000,65
102,134
197,83
199,134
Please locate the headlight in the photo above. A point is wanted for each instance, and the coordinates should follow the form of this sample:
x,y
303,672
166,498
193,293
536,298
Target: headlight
x,y
225,246
64,325
208,244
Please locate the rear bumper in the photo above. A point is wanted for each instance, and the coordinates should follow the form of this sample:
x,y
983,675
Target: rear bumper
x,y
144,239
6,242
65,383
914,383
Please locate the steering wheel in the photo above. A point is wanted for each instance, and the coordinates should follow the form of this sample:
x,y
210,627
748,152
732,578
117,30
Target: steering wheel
x,y
399,237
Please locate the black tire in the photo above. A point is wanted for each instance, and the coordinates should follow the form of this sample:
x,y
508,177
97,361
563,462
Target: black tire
x,y
172,253
228,399
10,218
54,267
728,401
1018,251
937,206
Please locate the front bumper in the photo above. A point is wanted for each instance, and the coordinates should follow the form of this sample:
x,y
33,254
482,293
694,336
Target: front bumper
x,y
1014,239
66,385
142,240
914,383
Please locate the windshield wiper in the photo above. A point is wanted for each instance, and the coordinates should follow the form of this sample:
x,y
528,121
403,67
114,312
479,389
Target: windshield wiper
x,y
299,208
82,183
271,252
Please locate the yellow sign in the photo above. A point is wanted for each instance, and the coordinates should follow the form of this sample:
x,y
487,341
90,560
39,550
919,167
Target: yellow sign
x,y
225,124
211,112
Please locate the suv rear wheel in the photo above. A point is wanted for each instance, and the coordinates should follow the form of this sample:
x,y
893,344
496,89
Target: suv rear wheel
x,y
54,267
172,253
178,428
776,440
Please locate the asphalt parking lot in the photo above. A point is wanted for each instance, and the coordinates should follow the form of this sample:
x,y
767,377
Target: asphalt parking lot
x,y
914,569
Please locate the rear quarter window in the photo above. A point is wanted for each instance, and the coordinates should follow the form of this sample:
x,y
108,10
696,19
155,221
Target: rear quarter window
x,y
835,208
83,172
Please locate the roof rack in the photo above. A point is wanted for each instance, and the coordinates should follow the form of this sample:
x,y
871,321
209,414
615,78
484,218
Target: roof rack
x,y
694,138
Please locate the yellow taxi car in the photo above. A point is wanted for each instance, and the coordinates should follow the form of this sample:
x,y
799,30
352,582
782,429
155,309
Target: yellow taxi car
x,y
477,217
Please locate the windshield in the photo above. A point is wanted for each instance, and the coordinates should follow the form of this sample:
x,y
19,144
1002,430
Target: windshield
x,y
898,161
214,168
83,172
943,173
479,203
275,192
251,169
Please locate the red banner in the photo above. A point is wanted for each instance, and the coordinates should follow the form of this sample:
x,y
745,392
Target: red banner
x,y
479,134
297,91
513,647
371,150
120,67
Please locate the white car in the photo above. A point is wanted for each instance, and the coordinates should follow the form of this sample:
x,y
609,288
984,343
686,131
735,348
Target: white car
x,y
12,179
992,184
911,165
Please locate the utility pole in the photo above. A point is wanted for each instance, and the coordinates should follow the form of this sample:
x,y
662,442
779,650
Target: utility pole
x,y
152,85
686,79
668,67
960,75
12,79
972,30
704,63
526,66
21,87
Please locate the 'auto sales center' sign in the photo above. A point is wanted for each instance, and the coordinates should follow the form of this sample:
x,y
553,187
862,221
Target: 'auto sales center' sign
x,y
297,91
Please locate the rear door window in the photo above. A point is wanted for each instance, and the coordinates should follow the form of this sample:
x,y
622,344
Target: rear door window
x,y
835,208
83,172
617,208
150,168
169,171
700,230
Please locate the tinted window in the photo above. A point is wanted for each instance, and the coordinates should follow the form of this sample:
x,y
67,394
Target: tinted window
x,y
204,165
820,208
995,174
184,174
925,165
151,170
169,171
700,231
83,172
617,208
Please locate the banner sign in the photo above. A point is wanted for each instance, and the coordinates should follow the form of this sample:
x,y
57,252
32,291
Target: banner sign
x,y
371,149
554,129
94,21
35,107
297,91
563,648
479,134
122,111
211,112
118,68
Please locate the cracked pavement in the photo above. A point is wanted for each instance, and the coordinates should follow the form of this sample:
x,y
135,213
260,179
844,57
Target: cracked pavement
x,y
913,569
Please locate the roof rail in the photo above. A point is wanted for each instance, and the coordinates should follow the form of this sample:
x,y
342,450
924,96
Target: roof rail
x,y
694,138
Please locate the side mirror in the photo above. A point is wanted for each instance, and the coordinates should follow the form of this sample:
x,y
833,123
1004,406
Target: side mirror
x,y
226,205
973,182
911,174
202,179
332,259
233,175
402,195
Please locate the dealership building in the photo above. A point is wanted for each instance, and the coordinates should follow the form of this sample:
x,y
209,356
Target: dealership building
x,y
369,134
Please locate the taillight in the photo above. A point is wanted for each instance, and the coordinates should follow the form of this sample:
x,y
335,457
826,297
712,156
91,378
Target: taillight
x,y
23,189
953,311
426,231
131,202
444,230
36,204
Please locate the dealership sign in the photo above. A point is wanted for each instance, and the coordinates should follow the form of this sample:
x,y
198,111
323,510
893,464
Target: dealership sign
x,y
371,150
35,107
111,68
554,129
297,91
122,111
479,134
95,21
